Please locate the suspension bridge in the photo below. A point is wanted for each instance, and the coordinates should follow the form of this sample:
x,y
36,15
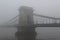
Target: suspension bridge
x,y
39,21
28,21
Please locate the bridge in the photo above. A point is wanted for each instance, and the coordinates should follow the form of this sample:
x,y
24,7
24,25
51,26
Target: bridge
x,y
46,21
39,21
28,21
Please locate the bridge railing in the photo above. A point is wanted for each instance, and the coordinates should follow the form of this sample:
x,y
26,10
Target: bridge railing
x,y
45,20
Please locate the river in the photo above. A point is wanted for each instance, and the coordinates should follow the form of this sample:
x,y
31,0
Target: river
x,y
42,32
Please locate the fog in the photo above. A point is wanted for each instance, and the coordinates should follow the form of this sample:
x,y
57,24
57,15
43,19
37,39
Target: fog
x,y
43,33
9,9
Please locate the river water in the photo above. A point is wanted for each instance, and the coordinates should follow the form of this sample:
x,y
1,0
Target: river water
x,y
48,33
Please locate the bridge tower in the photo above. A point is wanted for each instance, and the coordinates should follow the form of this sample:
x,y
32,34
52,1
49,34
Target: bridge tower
x,y
26,30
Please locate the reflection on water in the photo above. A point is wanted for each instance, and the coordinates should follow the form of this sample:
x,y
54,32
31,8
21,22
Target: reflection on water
x,y
42,33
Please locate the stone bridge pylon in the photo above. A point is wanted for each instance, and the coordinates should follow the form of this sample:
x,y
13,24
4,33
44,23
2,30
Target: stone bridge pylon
x,y
26,30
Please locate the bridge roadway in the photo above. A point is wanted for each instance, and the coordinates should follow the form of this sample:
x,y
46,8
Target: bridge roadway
x,y
36,25
47,25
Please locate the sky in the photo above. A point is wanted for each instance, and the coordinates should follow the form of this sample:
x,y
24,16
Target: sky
x,y
9,8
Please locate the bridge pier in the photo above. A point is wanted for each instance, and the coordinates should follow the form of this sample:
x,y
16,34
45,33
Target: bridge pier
x,y
26,30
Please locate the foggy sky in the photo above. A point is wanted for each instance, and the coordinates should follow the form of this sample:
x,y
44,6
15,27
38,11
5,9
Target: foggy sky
x,y
9,8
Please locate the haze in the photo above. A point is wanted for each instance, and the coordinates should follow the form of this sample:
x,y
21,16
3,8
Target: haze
x,y
9,8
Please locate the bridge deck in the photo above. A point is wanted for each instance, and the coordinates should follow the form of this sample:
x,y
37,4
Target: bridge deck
x,y
47,25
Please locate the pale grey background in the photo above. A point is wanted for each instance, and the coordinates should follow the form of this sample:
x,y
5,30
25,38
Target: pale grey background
x,y
9,8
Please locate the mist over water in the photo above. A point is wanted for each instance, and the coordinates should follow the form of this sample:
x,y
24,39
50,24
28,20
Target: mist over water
x,y
42,32
48,32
